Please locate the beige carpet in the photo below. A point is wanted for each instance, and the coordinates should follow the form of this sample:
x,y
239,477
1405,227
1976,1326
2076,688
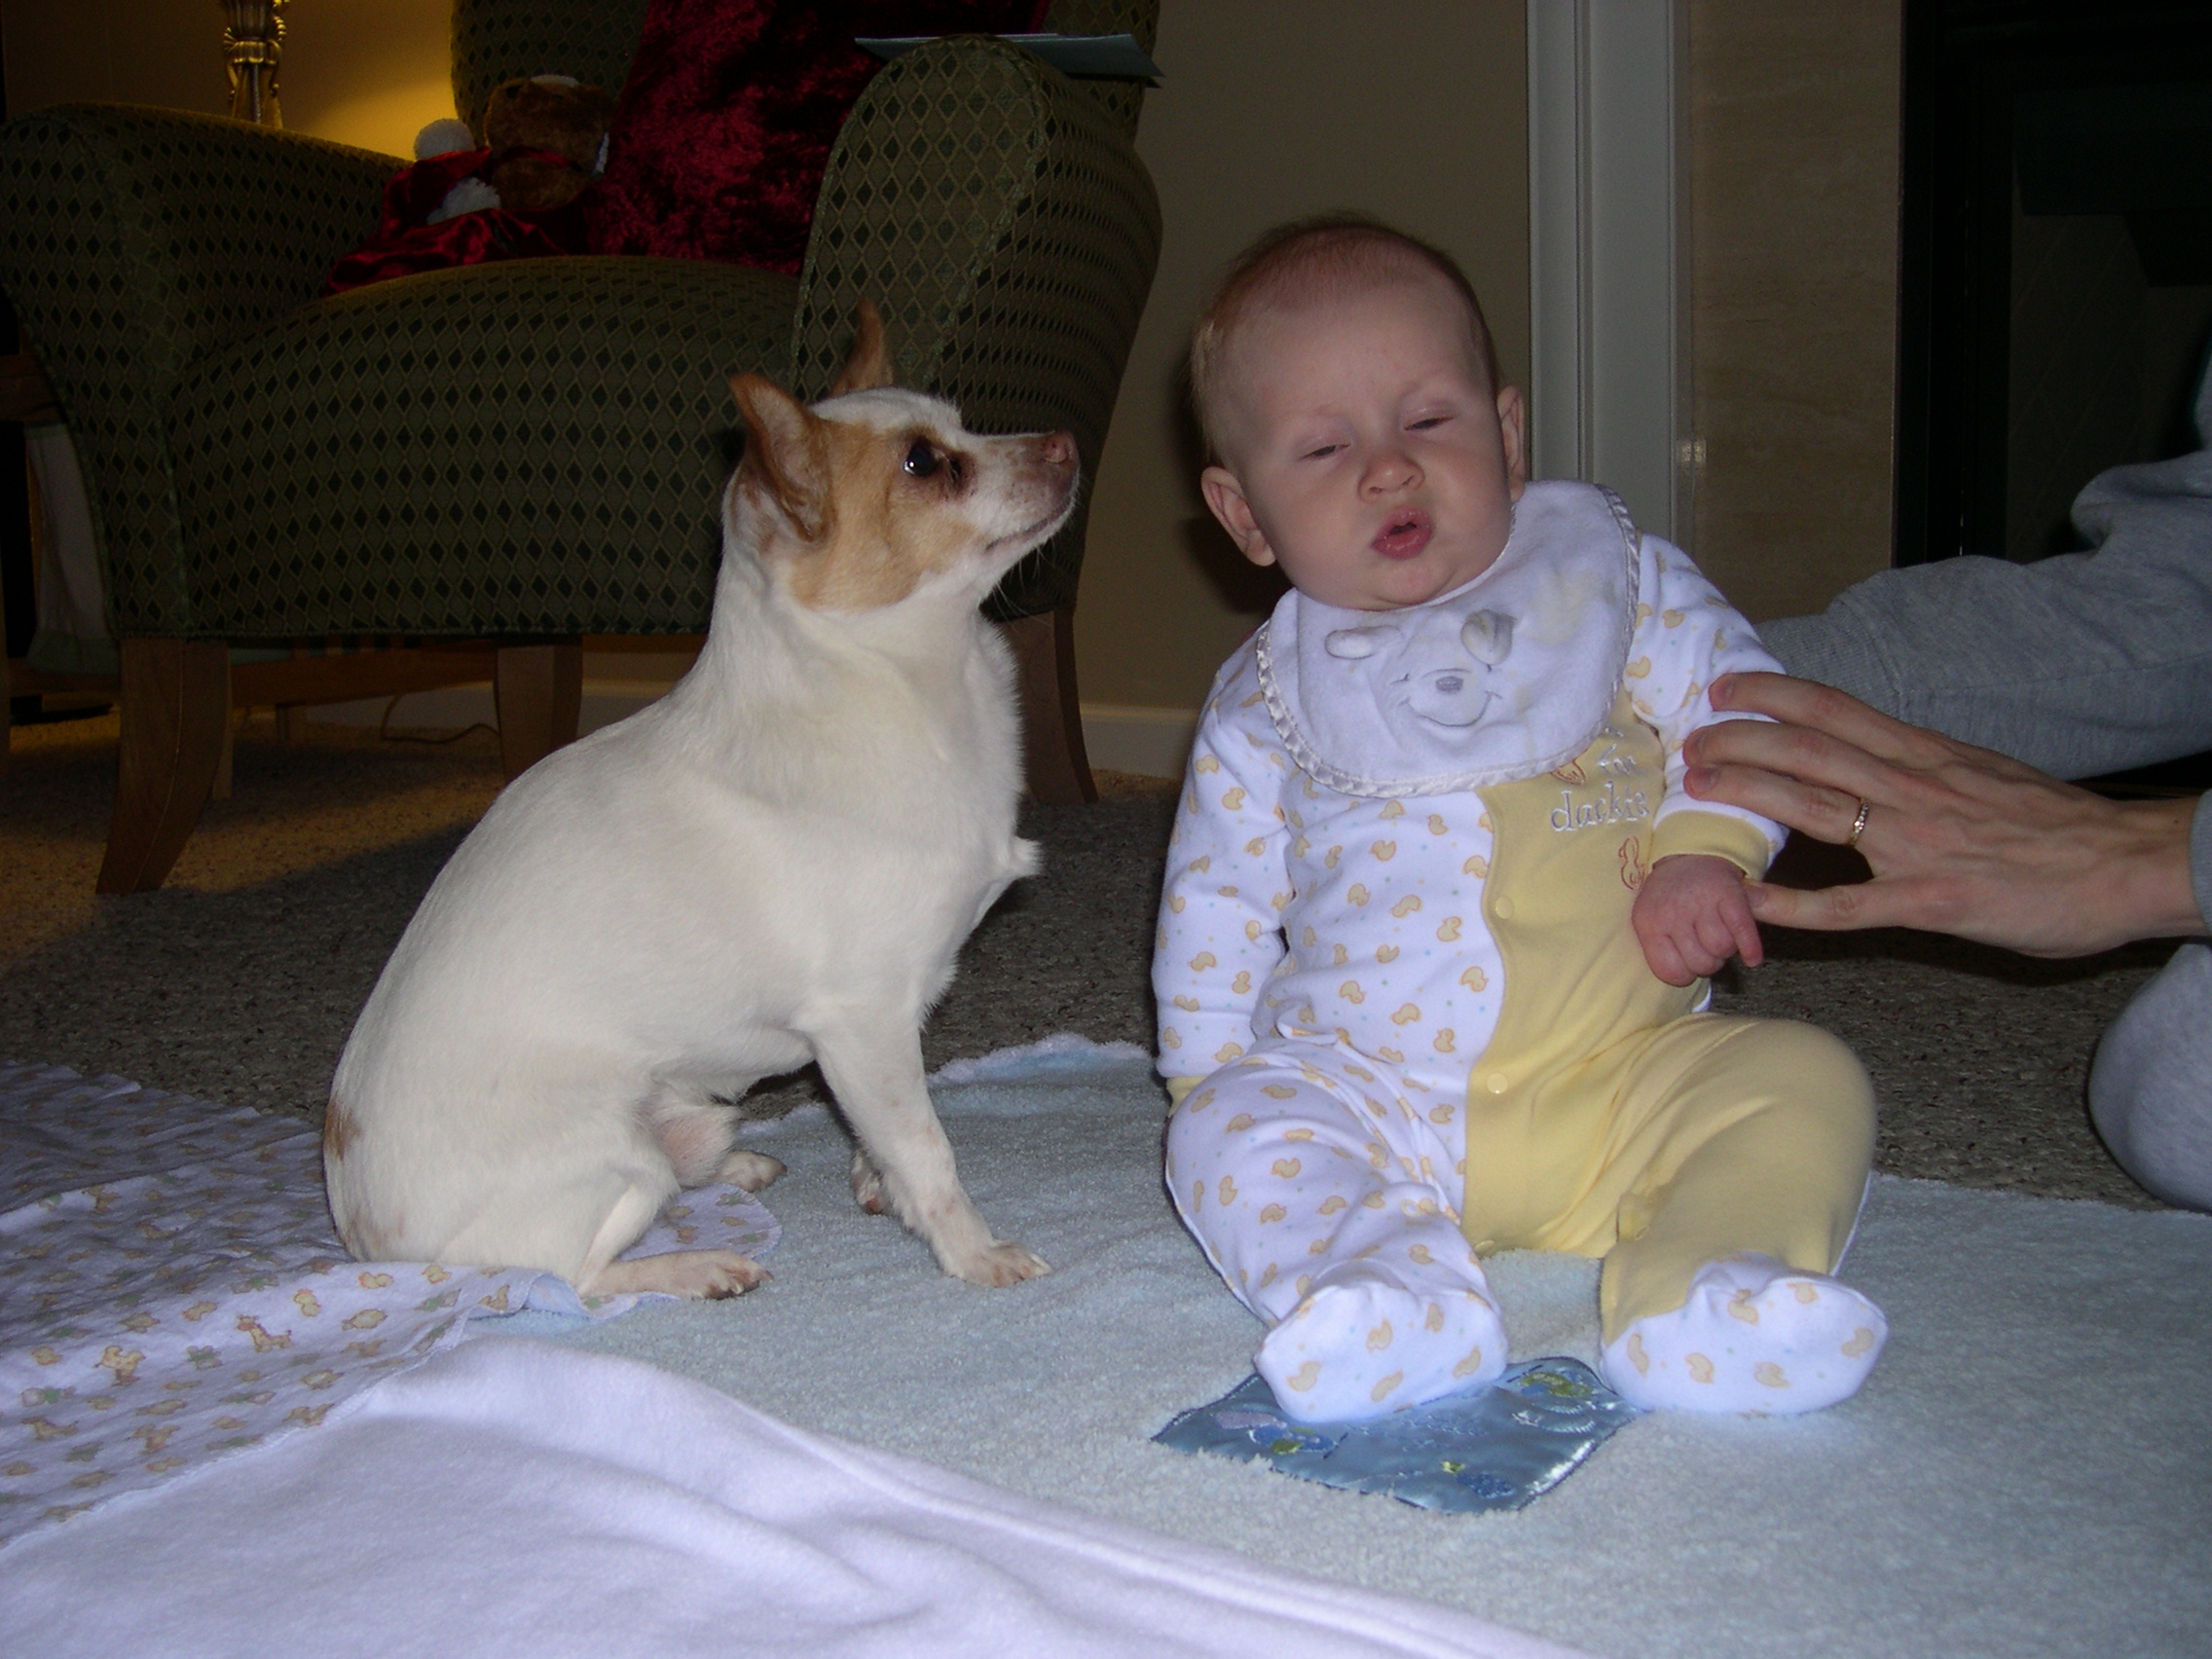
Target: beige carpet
x,y
294,807
239,979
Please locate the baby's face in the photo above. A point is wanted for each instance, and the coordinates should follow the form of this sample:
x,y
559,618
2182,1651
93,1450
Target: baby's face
x,y
1364,451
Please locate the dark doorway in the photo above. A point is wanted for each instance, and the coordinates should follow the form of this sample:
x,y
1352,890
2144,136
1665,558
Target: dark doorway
x,y
2055,260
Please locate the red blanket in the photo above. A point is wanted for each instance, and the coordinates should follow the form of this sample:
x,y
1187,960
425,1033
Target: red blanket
x,y
726,121
405,242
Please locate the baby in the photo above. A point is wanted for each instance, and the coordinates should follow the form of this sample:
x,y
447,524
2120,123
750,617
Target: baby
x,y
1431,954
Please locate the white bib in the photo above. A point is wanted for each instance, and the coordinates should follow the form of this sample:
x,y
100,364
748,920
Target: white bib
x,y
1505,677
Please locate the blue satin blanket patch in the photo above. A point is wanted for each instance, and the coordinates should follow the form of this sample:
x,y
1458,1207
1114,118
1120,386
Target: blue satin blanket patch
x,y
1494,1448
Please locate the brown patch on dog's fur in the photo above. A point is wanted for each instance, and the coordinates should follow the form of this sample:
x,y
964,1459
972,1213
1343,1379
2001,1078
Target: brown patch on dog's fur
x,y
866,515
864,532
339,1131
878,541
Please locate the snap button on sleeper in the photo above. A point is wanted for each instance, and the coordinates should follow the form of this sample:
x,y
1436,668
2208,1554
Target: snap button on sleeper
x,y
1504,908
1496,1083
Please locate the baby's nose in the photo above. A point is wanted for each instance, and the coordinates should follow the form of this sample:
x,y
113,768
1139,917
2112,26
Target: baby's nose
x,y
1391,470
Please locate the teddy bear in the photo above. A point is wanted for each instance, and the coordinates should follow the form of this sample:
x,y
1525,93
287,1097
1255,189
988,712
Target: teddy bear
x,y
524,193
544,145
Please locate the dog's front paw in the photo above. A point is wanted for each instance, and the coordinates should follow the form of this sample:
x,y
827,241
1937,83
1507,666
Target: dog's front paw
x,y
998,1264
725,1273
750,1170
868,1185
707,1274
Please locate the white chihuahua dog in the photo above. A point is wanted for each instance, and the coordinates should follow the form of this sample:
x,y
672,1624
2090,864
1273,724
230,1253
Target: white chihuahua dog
x,y
774,864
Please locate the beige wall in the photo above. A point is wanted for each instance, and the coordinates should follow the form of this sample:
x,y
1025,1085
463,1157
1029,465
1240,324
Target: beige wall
x,y
158,52
1793,180
367,72
1413,109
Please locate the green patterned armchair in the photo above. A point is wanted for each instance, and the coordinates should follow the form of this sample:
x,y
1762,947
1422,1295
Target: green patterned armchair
x,y
522,454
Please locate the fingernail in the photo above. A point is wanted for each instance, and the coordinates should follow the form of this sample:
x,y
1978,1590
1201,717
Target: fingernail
x,y
1698,777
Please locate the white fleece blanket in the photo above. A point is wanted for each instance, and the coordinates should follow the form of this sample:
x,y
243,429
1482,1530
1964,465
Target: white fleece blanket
x,y
512,1498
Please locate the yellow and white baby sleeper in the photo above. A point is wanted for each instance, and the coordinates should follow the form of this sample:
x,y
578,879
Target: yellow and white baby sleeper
x,y
1407,1021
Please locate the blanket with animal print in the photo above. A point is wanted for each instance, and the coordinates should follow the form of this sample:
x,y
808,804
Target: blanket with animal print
x,y
173,1292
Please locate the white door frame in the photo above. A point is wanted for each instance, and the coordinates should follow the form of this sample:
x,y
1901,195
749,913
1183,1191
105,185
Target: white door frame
x,y
1608,252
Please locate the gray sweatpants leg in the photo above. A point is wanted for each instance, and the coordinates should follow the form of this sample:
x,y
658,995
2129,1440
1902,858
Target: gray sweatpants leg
x,y
2082,664
2151,1085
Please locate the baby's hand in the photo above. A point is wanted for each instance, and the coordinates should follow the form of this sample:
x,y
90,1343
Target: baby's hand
x,y
1691,915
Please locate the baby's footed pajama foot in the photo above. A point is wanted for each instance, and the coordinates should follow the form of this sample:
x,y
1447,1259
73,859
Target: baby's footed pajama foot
x,y
1756,1334
1364,1344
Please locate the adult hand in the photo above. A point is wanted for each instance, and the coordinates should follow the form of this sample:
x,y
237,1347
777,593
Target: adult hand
x,y
1961,840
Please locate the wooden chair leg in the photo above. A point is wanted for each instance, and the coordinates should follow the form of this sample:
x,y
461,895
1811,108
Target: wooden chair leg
x,y
176,701
292,717
1055,761
539,694
226,760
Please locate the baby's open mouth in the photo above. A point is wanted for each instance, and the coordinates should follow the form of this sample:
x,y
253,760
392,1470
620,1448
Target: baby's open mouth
x,y
1405,535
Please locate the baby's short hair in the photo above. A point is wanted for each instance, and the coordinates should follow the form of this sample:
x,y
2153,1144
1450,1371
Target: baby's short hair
x,y
1324,253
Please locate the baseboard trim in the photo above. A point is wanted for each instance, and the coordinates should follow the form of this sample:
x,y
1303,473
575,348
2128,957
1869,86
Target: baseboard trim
x,y
1151,743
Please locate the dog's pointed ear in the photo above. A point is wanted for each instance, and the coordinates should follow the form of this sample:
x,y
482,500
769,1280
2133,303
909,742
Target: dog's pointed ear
x,y
868,365
784,452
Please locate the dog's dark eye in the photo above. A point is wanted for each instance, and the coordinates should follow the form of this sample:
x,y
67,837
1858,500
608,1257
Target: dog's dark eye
x,y
924,459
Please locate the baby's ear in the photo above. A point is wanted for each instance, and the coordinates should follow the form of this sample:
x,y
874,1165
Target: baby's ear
x,y
1513,428
1225,497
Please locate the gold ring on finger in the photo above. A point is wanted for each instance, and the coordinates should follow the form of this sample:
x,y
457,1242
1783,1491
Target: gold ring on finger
x,y
1858,824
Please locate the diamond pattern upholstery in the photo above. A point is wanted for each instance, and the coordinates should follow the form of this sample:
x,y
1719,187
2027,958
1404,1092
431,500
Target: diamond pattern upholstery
x,y
541,443
133,242
1123,100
